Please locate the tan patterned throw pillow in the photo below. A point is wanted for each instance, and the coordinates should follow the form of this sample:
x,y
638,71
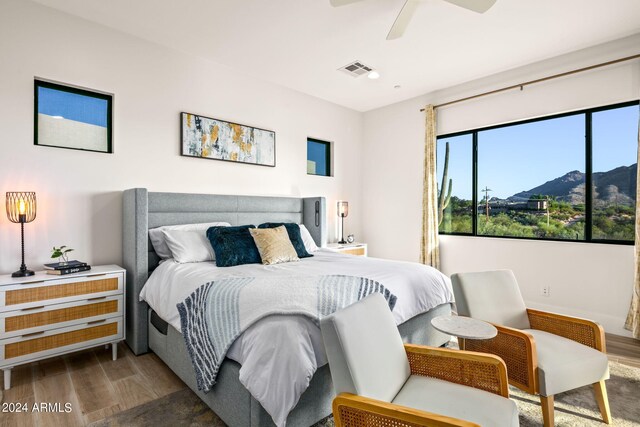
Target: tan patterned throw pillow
x,y
274,245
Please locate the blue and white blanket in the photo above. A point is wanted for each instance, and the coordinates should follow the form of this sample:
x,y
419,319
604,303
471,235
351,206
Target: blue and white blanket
x,y
218,312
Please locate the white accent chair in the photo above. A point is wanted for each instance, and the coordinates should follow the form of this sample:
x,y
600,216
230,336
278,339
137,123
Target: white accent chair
x,y
545,353
381,381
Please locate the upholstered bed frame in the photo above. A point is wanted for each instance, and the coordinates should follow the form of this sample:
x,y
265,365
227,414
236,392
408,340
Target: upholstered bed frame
x,y
145,331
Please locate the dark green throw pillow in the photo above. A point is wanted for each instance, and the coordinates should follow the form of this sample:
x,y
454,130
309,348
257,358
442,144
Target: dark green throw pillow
x,y
293,230
233,245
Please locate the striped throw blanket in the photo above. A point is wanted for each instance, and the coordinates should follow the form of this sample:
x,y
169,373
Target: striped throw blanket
x,y
218,312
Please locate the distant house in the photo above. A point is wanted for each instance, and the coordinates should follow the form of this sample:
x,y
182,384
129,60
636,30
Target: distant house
x,y
537,204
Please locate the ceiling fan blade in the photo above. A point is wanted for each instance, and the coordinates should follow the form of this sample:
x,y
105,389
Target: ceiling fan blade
x,y
480,6
402,21
337,3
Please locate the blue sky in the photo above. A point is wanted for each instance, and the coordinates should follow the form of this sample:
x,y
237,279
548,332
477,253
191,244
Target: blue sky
x,y
519,158
72,106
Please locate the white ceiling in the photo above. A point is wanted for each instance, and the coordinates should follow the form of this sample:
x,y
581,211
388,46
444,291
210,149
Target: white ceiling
x,y
300,43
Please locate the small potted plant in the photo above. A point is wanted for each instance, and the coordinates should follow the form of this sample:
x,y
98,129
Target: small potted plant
x,y
61,253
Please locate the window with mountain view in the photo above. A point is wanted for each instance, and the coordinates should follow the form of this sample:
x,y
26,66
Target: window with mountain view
x,y
615,141
532,176
454,169
531,179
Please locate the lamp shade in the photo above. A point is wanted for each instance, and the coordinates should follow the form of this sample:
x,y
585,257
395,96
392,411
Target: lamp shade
x,y
343,208
21,206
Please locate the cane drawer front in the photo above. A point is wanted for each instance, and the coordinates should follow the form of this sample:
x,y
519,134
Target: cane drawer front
x,y
355,251
45,292
358,249
57,341
39,318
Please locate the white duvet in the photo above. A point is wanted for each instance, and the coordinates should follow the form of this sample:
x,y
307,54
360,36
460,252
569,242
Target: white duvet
x,y
280,354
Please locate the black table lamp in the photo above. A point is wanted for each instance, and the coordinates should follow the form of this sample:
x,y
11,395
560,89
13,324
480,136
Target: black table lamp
x,y
343,212
21,208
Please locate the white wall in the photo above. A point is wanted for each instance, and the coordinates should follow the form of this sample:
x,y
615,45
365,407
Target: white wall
x,y
586,279
79,193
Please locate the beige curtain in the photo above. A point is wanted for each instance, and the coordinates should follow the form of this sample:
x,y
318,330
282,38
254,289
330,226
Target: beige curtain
x,y
430,245
633,318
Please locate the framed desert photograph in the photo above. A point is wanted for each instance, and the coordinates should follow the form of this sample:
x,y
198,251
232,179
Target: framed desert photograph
x,y
215,139
74,118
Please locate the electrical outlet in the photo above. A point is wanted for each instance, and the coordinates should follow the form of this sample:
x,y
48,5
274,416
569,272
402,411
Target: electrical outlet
x,y
546,290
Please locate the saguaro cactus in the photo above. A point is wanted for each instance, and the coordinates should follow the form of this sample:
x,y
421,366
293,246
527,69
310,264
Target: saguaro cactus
x,y
443,201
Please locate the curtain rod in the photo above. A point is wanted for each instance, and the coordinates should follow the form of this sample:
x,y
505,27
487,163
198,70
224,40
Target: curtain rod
x,y
522,85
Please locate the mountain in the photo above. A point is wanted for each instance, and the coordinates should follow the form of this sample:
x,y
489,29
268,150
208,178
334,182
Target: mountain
x,y
615,186
618,185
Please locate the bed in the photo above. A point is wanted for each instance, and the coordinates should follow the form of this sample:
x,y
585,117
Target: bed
x,y
156,330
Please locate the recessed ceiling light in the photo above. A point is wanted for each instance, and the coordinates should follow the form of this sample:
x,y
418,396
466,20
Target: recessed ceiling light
x,y
396,87
373,75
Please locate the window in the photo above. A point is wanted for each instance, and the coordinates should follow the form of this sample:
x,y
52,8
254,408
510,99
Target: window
x,y
529,179
68,117
613,183
523,169
318,157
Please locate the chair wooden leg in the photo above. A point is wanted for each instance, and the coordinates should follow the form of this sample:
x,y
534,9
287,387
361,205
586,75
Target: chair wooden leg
x,y
547,410
603,400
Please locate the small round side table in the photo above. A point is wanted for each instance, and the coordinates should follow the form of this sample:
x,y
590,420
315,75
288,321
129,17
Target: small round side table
x,y
465,328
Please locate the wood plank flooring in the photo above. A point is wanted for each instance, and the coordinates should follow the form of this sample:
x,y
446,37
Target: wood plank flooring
x,y
97,387
94,385
623,350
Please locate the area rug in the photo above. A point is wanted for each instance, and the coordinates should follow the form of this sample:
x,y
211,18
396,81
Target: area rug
x,y
576,408
182,408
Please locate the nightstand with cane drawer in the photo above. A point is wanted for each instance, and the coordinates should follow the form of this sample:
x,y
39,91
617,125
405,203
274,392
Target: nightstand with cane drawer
x,y
46,315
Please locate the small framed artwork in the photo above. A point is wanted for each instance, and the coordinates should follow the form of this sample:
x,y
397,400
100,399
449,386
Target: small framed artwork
x,y
215,139
69,117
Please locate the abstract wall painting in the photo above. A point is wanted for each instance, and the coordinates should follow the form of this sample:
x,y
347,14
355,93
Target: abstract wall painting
x,y
69,117
215,139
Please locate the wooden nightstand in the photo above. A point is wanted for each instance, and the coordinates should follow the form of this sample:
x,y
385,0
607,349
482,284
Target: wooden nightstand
x,y
349,248
47,315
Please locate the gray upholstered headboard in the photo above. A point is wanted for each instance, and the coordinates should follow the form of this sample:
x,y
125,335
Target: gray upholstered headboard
x,y
143,210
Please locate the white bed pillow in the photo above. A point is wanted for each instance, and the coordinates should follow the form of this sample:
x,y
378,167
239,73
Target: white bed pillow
x,y
189,245
158,239
309,243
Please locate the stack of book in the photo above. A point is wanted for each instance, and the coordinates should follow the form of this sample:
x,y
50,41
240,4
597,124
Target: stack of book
x,y
69,267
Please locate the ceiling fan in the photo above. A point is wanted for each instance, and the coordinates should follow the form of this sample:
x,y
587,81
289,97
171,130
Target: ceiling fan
x,y
404,17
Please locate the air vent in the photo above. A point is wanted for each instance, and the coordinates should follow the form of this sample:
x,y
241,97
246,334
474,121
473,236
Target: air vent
x,y
356,69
